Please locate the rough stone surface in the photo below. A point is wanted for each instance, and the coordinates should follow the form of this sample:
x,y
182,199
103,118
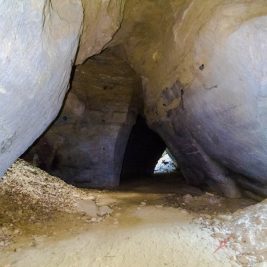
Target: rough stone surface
x,y
102,19
204,67
246,228
85,146
38,44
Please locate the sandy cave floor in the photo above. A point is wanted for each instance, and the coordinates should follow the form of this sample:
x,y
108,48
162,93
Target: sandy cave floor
x,y
149,222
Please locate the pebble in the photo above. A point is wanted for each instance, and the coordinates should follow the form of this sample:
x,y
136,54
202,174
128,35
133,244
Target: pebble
x,y
243,259
261,264
215,222
219,235
33,243
104,210
208,217
209,194
185,212
224,217
17,231
187,198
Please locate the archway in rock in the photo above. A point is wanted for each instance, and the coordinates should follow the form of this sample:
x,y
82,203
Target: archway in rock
x,y
86,143
98,139
143,151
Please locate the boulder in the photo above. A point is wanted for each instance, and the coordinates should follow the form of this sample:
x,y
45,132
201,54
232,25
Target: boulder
x,y
39,40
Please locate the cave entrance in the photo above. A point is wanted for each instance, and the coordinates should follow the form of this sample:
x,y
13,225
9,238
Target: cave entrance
x,y
145,153
166,164
98,139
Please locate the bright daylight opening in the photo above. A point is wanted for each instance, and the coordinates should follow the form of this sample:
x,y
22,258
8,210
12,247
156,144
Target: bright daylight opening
x,y
165,164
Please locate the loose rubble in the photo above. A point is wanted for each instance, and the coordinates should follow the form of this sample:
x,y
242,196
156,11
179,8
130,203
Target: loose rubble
x,y
248,229
244,231
29,195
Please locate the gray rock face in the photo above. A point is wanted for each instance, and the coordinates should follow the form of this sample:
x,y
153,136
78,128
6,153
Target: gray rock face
x,y
86,144
227,102
39,40
203,67
205,85
102,18
221,118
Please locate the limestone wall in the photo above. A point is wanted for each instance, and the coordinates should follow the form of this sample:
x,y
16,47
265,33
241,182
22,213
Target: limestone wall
x,y
203,65
39,41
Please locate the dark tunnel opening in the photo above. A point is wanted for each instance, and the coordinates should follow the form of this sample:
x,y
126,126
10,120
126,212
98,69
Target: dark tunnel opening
x,y
145,153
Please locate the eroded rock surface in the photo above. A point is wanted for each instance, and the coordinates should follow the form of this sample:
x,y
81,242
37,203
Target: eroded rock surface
x,y
101,21
203,66
86,144
38,44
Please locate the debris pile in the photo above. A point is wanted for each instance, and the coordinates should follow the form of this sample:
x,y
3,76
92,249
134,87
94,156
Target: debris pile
x,y
30,196
248,229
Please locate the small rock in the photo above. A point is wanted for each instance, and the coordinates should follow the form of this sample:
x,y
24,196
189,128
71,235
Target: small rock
x,y
261,264
219,235
209,194
99,219
88,207
33,243
115,222
224,217
104,210
185,212
243,259
17,231
187,198
215,222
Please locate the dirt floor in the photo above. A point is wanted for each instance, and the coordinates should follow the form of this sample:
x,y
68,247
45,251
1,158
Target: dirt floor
x,y
158,221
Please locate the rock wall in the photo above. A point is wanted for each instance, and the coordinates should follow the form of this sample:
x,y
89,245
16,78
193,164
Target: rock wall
x,y
39,40
203,66
204,69
102,19
85,145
